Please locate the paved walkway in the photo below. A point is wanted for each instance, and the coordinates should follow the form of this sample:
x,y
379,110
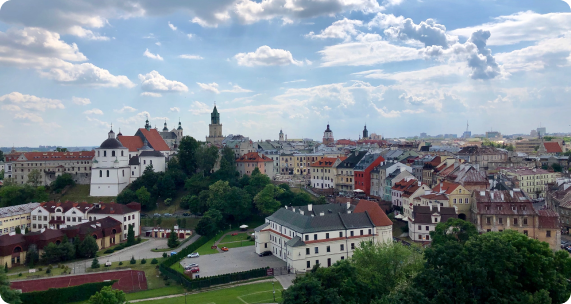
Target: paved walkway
x,y
204,290
249,231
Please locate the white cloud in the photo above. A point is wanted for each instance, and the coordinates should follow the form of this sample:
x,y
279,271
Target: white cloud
x,y
174,109
151,94
152,56
80,101
86,74
31,102
136,119
199,108
93,111
32,117
188,56
522,26
548,52
172,26
84,33
341,29
98,122
266,56
158,43
237,89
418,75
366,53
189,36
211,87
10,107
125,109
155,82
298,80
427,32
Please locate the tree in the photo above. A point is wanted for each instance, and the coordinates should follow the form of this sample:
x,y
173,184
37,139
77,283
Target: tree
x,y
18,230
67,251
185,201
238,205
557,167
51,254
127,196
26,231
61,182
229,156
35,178
144,197
8,295
209,224
455,230
495,267
88,247
60,149
321,200
196,183
130,236
32,255
168,201
173,240
302,199
206,157
95,263
1,155
265,200
216,195
108,295
12,194
187,155
132,261
166,186
258,182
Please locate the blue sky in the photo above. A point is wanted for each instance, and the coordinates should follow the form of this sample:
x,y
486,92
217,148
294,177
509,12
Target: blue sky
x,y
70,68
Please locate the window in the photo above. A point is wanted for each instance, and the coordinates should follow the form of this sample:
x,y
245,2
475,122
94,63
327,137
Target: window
x,y
454,201
316,249
308,264
68,219
352,246
547,234
427,228
515,220
361,232
144,162
100,173
113,153
315,237
488,220
307,237
525,232
341,234
342,247
525,220
488,230
121,153
107,173
342,257
266,245
352,233
500,220
327,235
123,173
420,237
370,231
329,248
316,262
104,153
465,201
34,217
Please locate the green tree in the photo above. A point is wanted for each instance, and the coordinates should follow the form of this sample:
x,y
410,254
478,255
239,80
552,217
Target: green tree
x,y
210,223
227,171
132,261
67,251
229,156
195,205
238,205
258,182
216,195
168,201
35,178
206,157
130,236
196,183
1,155
88,247
302,199
18,230
321,200
60,149
244,181
185,201
95,263
127,196
12,194
455,230
166,186
61,182
187,155
32,255
266,201
8,295
557,167
108,295
52,254
172,241
144,197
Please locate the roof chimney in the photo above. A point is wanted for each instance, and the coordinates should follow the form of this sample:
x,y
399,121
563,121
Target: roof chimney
x,y
430,206
348,204
438,205
419,183
310,207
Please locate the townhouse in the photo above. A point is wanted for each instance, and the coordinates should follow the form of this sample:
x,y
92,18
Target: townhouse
x,y
50,165
458,197
324,172
16,216
532,181
425,218
345,171
246,164
362,171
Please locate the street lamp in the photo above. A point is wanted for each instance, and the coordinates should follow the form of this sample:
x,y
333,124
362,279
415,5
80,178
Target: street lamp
x,y
274,291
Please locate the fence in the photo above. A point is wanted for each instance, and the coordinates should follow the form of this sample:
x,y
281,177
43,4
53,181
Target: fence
x,y
166,270
64,295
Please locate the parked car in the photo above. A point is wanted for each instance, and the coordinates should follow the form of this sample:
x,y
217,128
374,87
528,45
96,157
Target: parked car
x,y
194,269
144,215
186,214
265,253
193,255
224,248
189,266
156,215
173,253
167,215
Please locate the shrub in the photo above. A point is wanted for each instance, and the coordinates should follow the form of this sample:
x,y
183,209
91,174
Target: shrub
x,y
132,261
20,274
49,270
154,261
167,283
143,261
164,254
95,264
138,239
109,251
120,263
50,267
40,269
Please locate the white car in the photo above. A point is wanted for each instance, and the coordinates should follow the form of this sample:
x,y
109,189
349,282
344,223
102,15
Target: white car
x,y
193,255
190,266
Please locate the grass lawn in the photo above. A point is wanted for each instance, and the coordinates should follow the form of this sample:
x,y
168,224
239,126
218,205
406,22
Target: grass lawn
x,y
205,249
151,272
80,193
37,274
238,244
153,293
252,293
168,222
101,252
234,238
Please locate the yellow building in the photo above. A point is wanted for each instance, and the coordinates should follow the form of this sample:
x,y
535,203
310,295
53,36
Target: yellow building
x,y
532,181
458,197
16,216
302,162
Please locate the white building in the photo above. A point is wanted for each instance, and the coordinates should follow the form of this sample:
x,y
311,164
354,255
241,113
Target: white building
x,y
110,170
321,234
425,218
129,214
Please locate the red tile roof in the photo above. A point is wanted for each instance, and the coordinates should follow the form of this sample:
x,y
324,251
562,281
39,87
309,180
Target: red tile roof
x,y
133,143
155,139
446,187
346,142
112,208
435,196
377,215
552,147
61,156
253,157
52,206
327,162
403,184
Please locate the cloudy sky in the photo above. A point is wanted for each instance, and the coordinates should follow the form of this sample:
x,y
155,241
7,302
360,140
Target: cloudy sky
x,y
70,68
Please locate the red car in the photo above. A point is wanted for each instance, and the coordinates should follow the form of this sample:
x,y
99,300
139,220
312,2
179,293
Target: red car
x,y
194,269
224,248
234,234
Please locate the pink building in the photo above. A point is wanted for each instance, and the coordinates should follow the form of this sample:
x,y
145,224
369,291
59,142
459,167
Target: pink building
x,y
252,160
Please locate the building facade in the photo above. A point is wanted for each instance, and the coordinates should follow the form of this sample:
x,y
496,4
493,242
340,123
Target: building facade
x,y
16,216
362,171
425,218
111,168
345,171
532,181
324,172
328,139
50,165
250,161
215,128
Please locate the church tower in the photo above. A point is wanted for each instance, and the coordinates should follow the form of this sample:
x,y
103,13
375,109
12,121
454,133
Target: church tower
x,y
165,129
328,137
365,133
281,135
215,128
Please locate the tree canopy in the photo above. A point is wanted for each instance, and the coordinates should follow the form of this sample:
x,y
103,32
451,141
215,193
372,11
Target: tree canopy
x,y
108,295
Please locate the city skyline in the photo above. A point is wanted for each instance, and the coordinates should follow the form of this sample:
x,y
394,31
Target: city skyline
x,y
401,67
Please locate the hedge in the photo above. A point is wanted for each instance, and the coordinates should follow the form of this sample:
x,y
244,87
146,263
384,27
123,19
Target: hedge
x,y
167,271
64,295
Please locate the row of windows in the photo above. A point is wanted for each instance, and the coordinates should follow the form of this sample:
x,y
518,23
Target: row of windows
x,y
123,171
328,249
40,164
317,262
326,170
105,153
501,220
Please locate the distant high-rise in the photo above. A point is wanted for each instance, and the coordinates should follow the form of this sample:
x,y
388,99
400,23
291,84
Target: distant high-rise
x,y
541,131
467,133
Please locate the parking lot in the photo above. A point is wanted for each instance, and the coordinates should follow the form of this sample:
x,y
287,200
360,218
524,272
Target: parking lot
x,y
234,260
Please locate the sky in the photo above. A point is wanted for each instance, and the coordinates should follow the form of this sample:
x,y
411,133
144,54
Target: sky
x,y
71,68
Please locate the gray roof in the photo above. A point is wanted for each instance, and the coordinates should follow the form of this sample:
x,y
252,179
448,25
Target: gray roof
x,y
134,161
366,161
111,143
168,135
259,228
352,160
151,154
295,242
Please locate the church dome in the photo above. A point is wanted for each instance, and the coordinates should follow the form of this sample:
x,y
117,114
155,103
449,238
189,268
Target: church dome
x,y
111,143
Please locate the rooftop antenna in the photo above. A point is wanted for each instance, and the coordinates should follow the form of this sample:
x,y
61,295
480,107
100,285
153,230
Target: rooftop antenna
x,y
467,126
215,103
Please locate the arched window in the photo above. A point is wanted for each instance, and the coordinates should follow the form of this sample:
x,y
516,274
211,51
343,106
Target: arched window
x,y
100,173
121,153
104,153
112,153
107,173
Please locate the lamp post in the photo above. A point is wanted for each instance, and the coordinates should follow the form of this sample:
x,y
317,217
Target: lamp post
x,y
274,291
